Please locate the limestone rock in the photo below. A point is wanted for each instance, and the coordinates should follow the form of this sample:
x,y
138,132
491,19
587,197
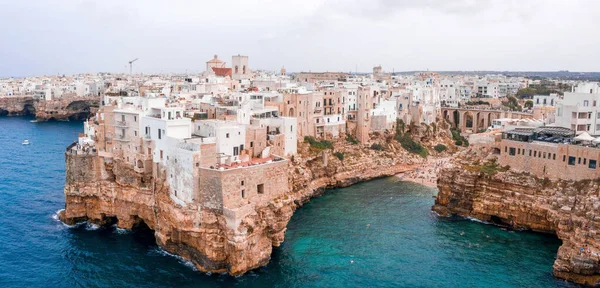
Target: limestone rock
x,y
106,193
522,201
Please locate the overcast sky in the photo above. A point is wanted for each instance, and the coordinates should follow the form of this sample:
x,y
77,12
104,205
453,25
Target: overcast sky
x,y
41,37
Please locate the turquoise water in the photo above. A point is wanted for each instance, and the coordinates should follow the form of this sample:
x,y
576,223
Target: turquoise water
x,y
375,234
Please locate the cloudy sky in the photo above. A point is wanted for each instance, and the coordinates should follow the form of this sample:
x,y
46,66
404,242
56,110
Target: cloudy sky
x,y
41,37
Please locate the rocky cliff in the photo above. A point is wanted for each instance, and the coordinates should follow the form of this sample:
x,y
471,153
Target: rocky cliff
x,y
475,186
59,109
109,192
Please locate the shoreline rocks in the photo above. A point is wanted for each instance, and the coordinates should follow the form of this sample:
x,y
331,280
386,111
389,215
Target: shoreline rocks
x,y
103,192
64,109
521,201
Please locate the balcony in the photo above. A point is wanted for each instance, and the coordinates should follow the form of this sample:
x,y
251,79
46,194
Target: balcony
x,y
147,138
120,124
122,138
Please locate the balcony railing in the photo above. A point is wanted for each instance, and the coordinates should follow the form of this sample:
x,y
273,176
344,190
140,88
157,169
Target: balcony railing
x,y
122,138
121,123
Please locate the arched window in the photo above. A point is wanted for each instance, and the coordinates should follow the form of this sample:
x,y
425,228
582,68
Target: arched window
x,y
244,69
236,69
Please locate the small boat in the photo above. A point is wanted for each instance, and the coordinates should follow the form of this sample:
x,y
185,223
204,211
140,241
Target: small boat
x,y
26,142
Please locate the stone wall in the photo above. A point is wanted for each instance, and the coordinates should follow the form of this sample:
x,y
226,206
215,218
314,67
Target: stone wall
x,y
551,160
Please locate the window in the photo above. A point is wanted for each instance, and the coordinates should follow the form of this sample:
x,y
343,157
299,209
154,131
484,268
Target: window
x,y
584,161
251,144
592,164
236,151
579,160
534,153
554,156
122,117
243,193
586,103
227,135
159,134
134,118
134,133
571,160
242,182
529,153
511,152
260,188
519,151
161,154
544,155
564,158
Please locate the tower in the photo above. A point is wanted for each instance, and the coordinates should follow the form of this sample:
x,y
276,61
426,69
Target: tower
x,y
283,71
363,117
240,68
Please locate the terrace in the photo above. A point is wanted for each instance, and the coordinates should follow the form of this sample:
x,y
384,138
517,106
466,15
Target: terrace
x,y
249,163
556,135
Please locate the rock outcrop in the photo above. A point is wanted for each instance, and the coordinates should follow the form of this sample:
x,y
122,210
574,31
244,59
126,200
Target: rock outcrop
x,y
475,186
106,191
78,108
17,106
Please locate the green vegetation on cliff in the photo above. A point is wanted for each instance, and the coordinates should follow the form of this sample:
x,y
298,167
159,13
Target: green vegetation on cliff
x,y
321,145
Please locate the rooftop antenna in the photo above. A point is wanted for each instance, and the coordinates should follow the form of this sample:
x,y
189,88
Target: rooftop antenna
x,y
131,65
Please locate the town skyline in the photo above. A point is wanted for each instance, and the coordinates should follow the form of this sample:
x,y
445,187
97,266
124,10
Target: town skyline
x,y
87,37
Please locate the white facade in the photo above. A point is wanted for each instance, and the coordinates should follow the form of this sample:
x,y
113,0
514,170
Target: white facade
x,y
230,137
580,110
162,123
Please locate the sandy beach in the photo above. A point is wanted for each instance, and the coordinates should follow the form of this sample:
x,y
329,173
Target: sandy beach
x,y
425,174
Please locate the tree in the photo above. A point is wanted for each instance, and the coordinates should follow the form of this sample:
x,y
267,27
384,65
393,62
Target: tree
x,y
526,93
528,104
512,104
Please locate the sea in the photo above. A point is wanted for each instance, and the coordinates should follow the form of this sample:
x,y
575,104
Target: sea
x,y
380,233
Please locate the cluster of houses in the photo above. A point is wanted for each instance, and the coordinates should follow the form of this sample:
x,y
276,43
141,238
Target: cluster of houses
x,y
232,121
232,129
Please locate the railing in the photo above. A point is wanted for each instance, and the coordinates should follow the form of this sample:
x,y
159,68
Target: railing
x,y
71,146
121,123
122,138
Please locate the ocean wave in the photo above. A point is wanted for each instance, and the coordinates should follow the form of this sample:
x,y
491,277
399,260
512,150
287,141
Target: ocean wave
x,y
180,259
57,219
91,227
55,215
120,231
477,220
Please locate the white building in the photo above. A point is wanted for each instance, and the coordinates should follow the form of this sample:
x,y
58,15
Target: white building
x,y
229,136
161,123
579,110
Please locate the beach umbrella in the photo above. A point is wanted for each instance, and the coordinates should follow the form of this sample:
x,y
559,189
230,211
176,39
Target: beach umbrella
x,y
584,137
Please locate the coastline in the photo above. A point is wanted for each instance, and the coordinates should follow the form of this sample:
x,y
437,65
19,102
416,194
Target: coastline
x,y
427,173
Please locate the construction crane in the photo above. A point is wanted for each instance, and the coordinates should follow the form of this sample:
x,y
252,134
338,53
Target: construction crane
x,y
131,65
